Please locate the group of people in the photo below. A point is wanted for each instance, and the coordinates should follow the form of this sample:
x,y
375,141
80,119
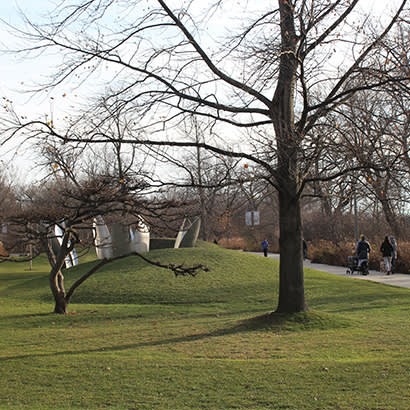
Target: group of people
x,y
388,248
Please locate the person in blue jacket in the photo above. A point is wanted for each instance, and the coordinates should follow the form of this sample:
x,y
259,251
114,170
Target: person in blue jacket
x,y
265,245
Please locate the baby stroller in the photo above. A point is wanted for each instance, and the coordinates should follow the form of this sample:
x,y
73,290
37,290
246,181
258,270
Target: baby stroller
x,y
353,266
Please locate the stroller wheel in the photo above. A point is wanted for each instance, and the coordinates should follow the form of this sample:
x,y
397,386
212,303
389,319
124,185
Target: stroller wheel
x,y
364,268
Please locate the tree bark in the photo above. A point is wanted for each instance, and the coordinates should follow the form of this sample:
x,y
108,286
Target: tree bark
x,y
291,278
60,303
58,291
291,282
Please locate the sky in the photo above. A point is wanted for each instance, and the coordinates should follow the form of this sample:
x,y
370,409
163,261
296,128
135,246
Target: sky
x,y
16,74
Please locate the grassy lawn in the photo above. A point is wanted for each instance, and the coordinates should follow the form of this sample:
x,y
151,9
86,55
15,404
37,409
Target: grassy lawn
x,y
137,337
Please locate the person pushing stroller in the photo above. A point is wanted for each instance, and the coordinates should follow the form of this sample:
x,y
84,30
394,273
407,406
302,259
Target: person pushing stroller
x,y
362,250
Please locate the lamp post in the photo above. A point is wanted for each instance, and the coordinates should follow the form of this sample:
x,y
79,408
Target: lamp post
x,y
356,221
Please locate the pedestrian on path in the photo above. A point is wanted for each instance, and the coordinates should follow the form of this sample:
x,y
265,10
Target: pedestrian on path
x,y
362,250
386,249
265,245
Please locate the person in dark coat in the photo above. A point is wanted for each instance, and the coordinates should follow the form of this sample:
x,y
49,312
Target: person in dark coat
x,y
362,250
387,250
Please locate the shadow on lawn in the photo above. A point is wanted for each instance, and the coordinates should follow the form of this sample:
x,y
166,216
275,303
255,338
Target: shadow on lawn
x,y
375,296
303,321
269,322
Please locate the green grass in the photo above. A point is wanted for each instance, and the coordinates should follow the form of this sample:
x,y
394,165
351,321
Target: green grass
x,y
137,337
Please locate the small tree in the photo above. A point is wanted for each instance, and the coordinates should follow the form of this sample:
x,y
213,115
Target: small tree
x,y
72,207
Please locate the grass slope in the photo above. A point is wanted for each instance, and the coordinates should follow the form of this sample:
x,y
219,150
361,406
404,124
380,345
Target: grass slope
x,y
138,337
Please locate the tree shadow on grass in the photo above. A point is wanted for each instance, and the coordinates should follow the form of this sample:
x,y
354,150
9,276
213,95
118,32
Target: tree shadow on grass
x,y
295,322
102,313
269,322
361,301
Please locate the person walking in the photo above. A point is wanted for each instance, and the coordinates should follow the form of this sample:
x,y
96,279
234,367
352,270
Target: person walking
x,y
394,255
386,249
362,250
265,245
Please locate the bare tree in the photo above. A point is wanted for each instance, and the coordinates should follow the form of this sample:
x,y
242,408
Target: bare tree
x,y
371,131
209,178
280,73
72,208
84,183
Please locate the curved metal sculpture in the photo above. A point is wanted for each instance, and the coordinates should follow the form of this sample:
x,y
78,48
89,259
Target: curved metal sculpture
x,y
187,238
120,239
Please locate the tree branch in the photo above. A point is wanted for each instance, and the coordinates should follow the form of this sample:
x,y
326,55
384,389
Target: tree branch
x,y
179,270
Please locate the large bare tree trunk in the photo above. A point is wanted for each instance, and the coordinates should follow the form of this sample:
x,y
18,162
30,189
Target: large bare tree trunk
x,y
291,280
291,283
291,277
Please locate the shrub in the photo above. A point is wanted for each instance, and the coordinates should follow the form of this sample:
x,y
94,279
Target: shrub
x,y
402,264
3,252
329,253
233,243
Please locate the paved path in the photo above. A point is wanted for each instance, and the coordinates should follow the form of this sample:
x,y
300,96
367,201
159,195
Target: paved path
x,y
398,279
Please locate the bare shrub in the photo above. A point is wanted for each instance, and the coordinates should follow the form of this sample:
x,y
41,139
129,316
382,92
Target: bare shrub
x,y
3,252
402,264
330,253
233,243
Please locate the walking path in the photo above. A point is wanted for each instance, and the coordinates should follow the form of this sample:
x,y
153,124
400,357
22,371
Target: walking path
x,y
398,279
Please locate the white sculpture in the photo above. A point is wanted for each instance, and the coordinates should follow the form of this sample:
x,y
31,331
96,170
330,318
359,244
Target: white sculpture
x,y
120,239
139,238
72,258
102,238
187,237
180,235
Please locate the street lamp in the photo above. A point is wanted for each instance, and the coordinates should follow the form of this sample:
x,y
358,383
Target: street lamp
x,y
356,222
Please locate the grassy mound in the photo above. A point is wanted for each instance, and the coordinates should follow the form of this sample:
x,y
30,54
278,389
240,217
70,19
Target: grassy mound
x,y
234,277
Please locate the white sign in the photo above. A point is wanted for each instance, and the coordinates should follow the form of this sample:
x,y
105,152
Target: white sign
x,y
256,217
252,218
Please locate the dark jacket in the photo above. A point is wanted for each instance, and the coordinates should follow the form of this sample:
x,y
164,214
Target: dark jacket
x,y
363,249
386,248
